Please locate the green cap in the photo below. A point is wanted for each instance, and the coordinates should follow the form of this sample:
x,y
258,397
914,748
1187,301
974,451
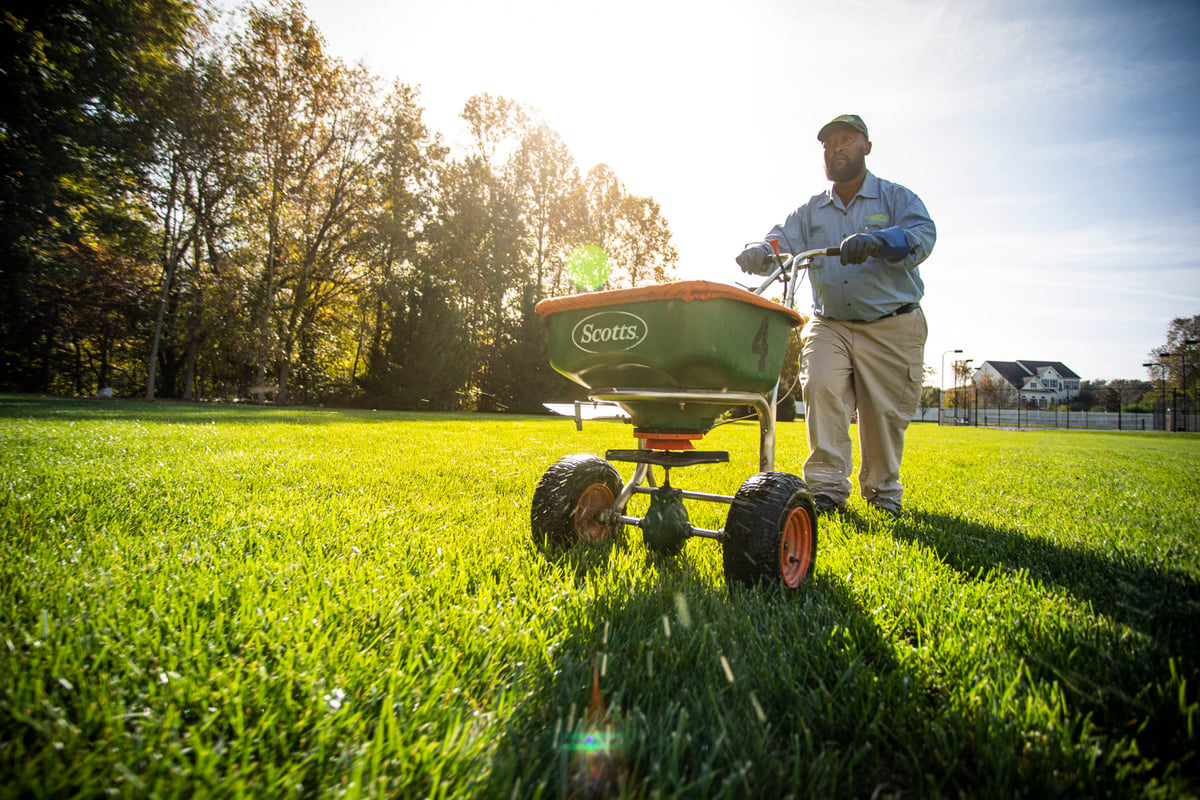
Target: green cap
x,y
853,120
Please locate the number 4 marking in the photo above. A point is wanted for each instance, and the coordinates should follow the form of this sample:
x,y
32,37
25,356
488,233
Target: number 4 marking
x,y
760,345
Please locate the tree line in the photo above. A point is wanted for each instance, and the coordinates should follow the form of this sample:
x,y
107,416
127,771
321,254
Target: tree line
x,y
199,206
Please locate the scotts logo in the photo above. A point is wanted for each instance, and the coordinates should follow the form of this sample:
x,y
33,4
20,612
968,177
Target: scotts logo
x,y
609,332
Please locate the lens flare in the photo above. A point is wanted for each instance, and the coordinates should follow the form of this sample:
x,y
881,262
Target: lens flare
x,y
588,267
597,765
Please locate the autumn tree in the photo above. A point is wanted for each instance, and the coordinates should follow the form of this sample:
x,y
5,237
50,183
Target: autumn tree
x,y
79,76
194,183
554,210
102,311
309,136
630,229
191,214
1181,349
995,392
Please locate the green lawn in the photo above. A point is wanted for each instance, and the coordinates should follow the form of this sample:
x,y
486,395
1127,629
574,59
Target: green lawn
x,y
222,601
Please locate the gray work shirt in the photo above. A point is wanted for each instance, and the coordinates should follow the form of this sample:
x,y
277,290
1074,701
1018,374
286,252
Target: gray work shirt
x,y
880,285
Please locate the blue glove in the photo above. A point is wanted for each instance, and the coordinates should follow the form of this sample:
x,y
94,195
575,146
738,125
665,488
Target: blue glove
x,y
753,260
858,247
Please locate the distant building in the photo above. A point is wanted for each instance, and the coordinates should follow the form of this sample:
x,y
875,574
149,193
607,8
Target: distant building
x,y
1041,382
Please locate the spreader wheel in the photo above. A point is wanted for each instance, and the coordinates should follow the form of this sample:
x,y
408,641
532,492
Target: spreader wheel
x,y
569,498
771,532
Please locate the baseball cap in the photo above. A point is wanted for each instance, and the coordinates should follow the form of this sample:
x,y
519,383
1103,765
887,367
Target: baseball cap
x,y
853,120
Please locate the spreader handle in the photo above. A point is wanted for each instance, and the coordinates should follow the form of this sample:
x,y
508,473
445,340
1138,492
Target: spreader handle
x,y
785,263
808,255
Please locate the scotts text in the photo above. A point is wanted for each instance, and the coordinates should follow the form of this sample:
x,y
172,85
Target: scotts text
x,y
609,331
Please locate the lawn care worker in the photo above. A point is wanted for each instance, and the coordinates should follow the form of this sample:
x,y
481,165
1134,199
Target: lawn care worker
x,y
864,347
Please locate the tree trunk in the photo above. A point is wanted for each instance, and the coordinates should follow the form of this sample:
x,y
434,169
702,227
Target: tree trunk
x,y
264,329
285,372
152,361
190,370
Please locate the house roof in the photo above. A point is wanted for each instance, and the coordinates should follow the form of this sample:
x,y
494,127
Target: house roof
x,y
1036,366
1011,371
1015,372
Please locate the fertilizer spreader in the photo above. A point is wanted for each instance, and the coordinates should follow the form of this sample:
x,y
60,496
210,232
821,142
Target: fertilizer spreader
x,y
675,357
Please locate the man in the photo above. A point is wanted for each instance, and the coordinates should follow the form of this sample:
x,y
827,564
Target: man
x,y
864,347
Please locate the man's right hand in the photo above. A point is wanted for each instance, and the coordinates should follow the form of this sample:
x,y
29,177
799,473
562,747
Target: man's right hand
x,y
753,260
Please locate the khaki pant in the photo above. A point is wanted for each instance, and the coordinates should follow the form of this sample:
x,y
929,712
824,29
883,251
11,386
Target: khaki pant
x,y
877,369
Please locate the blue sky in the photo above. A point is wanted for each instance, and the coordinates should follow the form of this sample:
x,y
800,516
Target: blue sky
x,y
1054,143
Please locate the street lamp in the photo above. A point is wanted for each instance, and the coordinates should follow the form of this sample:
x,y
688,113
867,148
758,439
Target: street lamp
x,y
942,385
1162,376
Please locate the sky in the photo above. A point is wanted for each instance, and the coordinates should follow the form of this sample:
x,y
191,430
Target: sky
x,y
1055,144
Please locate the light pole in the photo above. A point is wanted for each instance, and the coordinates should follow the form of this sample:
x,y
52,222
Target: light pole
x,y
942,385
1162,376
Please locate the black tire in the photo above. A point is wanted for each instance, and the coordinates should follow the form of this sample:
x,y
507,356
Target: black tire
x,y
771,532
567,499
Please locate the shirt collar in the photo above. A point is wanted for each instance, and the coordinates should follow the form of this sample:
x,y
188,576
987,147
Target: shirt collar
x,y
870,188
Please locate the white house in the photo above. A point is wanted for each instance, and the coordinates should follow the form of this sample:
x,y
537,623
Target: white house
x,y
1042,382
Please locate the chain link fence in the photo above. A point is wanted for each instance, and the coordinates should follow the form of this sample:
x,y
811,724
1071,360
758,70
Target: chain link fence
x,y
1083,420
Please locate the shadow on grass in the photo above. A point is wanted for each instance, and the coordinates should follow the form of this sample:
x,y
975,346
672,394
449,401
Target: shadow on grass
x,y
674,687
1140,695
708,691
1155,599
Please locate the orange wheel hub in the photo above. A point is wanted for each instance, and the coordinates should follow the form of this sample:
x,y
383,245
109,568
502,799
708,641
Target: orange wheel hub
x,y
592,501
795,547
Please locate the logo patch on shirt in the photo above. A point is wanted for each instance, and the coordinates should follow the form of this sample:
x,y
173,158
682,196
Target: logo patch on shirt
x,y
876,218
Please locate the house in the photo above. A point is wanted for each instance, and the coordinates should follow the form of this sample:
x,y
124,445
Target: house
x,y
1041,382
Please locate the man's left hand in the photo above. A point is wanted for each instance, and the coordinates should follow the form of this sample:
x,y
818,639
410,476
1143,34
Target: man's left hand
x,y
858,247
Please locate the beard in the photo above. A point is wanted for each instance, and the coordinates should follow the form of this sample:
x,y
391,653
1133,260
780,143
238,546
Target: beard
x,y
851,168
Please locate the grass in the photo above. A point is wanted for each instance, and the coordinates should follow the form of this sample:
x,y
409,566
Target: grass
x,y
218,601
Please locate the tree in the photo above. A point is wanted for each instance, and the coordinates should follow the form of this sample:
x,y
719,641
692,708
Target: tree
x,y
331,240
630,229
642,245
552,204
496,125
102,311
1176,353
1130,395
79,76
962,379
525,379
406,165
195,179
241,216
995,392
479,241
1092,396
432,351
308,134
